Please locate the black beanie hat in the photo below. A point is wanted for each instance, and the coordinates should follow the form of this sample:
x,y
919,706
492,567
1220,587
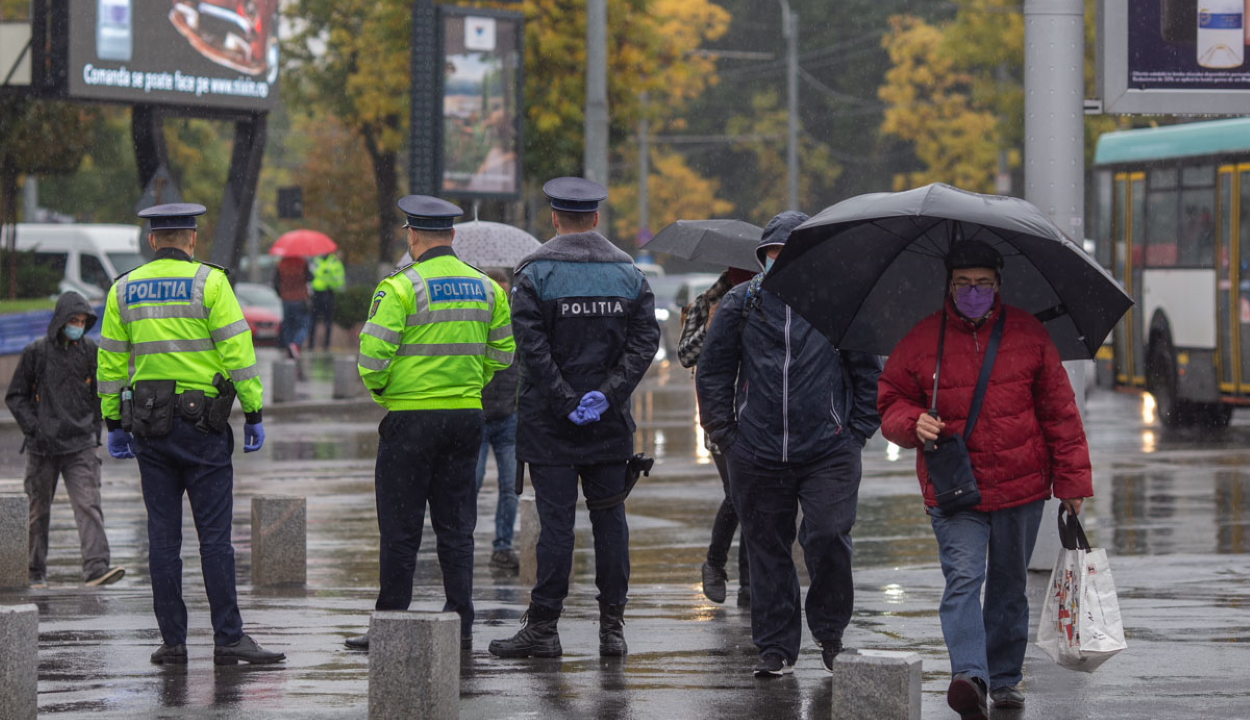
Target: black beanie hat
x,y
973,253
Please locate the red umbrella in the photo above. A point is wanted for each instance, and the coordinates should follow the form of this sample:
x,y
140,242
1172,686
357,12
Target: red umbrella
x,y
302,243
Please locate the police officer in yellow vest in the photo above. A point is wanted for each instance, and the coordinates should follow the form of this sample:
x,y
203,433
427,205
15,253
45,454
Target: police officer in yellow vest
x,y
179,323
438,330
328,278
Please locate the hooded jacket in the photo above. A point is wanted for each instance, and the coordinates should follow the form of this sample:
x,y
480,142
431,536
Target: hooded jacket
x,y
1028,441
53,391
584,319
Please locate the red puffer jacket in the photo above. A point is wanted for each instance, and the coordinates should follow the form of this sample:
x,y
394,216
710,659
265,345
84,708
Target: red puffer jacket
x,y
1028,437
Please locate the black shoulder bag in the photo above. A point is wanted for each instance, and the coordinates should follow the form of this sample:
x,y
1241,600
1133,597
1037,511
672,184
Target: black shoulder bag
x,y
946,460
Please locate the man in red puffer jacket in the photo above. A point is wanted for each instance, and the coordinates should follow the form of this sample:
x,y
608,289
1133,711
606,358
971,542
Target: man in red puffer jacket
x,y
1028,443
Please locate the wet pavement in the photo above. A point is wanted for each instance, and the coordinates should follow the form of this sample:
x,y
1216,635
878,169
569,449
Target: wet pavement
x,y
1172,510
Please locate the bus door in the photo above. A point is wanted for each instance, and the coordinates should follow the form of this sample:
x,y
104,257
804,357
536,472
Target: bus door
x,y
1228,334
1128,228
1239,310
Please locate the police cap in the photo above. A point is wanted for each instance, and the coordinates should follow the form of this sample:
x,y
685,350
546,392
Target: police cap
x,y
172,216
428,213
973,254
574,194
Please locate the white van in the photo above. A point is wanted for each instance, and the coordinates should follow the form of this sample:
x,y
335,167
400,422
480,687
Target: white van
x,y
88,256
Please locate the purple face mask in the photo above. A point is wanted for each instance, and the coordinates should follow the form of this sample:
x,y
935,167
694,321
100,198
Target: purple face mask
x,y
974,302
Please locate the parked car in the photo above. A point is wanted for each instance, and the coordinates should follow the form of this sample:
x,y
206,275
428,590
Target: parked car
x,y
672,293
262,308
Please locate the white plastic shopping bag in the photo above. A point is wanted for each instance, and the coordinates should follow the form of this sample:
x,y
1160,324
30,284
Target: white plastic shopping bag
x,y
1080,627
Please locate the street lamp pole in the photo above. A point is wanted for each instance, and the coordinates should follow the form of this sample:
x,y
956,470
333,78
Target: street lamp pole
x,y
790,30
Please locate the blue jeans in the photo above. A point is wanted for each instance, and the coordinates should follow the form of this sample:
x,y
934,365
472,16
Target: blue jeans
x,y
501,435
294,322
988,643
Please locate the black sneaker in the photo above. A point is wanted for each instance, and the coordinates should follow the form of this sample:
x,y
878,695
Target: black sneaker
x,y
829,651
108,577
744,596
38,582
714,579
505,559
170,655
966,696
773,665
1007,698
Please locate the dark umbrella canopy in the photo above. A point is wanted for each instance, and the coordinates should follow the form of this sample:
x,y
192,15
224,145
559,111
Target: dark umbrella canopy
x,y
867,269
723,243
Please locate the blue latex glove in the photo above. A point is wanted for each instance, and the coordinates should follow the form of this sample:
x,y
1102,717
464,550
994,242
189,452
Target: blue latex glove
x,y
119,444
253,437
583,416
595,401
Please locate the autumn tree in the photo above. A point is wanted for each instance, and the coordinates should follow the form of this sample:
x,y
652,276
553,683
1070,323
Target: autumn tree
x,y
674,191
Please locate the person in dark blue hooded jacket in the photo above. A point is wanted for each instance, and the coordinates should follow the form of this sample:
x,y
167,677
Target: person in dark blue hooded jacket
x,y
791,413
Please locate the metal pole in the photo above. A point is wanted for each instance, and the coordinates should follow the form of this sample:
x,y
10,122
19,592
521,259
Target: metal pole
x,y
644,173
1054,155
596,131
790,29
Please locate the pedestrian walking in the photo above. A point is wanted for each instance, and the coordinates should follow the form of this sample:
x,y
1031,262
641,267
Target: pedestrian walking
x,y
328,280
177,323
791,414
438,329
53,398
291,278
585,324
499,433
696,318
1026,443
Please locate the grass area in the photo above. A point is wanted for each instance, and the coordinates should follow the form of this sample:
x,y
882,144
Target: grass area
x,y
26,305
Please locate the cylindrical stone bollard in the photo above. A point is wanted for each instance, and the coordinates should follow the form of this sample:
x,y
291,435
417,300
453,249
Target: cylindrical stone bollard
x,y
414,668
347,383
19,661
284,373
279,540
14,524
527,543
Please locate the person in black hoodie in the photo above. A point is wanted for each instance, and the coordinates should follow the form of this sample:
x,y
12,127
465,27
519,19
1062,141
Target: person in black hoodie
x,y
791,414
53,397
499,432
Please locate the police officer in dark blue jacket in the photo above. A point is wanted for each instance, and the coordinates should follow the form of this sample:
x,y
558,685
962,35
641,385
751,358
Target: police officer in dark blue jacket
x,y
584,321
791,414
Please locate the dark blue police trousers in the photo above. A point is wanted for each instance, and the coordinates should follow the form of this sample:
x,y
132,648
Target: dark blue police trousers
x,y
197,463
555,490
427,456
767,497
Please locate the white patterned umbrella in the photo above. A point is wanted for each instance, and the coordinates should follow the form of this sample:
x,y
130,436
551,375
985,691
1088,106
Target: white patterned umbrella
x,y
487,244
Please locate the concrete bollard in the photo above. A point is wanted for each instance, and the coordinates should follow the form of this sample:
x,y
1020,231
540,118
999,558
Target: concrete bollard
x,y
527,543
347,383
880,684
414,670
284,374
279,540
19,661
14,533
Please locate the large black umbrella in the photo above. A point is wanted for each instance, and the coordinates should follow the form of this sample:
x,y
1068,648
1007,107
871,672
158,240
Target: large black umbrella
x,y
866,270
723,243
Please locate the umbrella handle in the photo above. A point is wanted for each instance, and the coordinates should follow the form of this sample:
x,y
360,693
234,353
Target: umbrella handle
x,y
931,445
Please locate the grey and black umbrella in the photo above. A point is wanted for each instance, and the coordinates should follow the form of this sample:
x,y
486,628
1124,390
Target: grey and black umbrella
x,y
723,243
867,269
492,245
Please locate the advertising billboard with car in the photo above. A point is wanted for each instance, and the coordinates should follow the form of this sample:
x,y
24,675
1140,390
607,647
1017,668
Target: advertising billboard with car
x,y
218,53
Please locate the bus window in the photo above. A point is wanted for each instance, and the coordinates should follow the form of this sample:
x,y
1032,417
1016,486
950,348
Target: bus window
x,y
1161,228
1197,232
1103,191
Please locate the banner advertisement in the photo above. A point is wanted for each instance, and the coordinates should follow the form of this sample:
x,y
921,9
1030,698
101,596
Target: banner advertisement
x,y
481,104
218,53
1188,44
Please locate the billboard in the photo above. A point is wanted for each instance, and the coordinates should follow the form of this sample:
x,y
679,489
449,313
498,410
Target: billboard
x,y
1182,57
481,101
217,53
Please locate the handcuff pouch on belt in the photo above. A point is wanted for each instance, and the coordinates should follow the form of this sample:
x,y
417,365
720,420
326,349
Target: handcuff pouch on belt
x,y
636,466
152,408
216,411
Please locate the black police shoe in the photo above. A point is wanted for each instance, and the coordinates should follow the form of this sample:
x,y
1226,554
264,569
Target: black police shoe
x,y
358,642
966,696
539,638
170,655
714,582
612,631
247,650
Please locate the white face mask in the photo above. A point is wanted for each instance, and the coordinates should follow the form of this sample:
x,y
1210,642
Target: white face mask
x,y
74,332
768,263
